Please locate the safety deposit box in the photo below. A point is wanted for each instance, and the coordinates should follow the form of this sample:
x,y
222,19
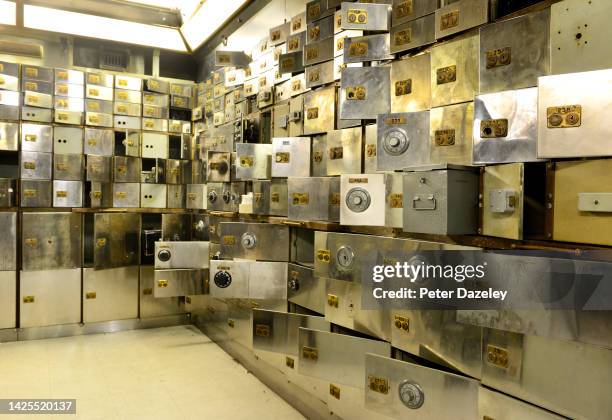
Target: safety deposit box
x,y
36,138
319,110
450,134
98,141
305,289
36,193
403,141
366,17
110,294
115,242
364,92
183,282
67,193
248,279
68,167
196,197
367,48
153,196
126,194
343,151
252,241
290,157
315,198
180,254
253,161
371,200
35,165
460,16
413,34
149,305
411,84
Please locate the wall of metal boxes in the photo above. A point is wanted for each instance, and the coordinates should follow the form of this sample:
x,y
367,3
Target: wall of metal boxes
x,y
353,128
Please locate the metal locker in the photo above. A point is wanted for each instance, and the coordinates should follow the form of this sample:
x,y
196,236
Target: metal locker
x,y
35,165
514,62
366,17
461,15
305,289
442,201
126,97
8,243
296,116
157,85
9,105
98,141
280,125
99,107
110,294
298,23
253,161
319,30
177,227
196,196
67,193
219,139
403,141
100,79
173,283
69,96
319,155
29,113
68,167
451,134
364,92
98,168
261,197
317,9
505,127
49,297
319,74
74,77
100,194
579,36
370,141
36,138
411,84
130,123
126,82
155,145
37,100
290,157
495,405
219,167
371,200
314,198
181,254
344,256
396,389
8,192
36,193
298,85
128,109
8,299
9,136
68,117
126,169
319,110
153,196
9,76
408,10
571,115
367,48
154,124
175,171
319,51
176,196
251,240
116,241
98,120
413,34
278,197
343,152
126,194
99,92
454,71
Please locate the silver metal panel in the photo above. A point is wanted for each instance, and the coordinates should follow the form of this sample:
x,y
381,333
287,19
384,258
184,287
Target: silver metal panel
x,y
451,134
49,297
251,241
280,119
96,106
319,155
403,140
337,358
9,112
218,167
367,48
153,195
505,127
126,194
9,136
154,99
296,42
8,192
67,194
150,306
110,294
315,198
8,242
128,96
514,62
100,79
98,142
181,254
38,100
571,107
441,202
229,279
253,161
177,195
74,105
35,165
370,154
127,109
305,289
9,76
343,151
158,85
261,197
196,196
98,92
174,171
97,119
127,82
278,197
74,77
154,124
126,169
364,92
133,123
409,10
290,157
495,405
151,111
67,90
319,51
10,99
296,116
68,167
155,145
29,113
36,138
8,299
298,23
116,240
99,168
182,89
172,283
366,17
50,241
411,84
405,390
100,194
317,9
68,117
461,15
218,139
36,193
319,30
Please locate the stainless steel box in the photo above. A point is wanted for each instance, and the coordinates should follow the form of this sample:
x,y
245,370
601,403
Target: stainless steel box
x,y
68,117
74,77
409,10
319,51
248,280
64,91
130,123
155,145
126,194
319,74
98,119
364,92
127,82
29,113
261,197
116,240
38,100
454,71
110,294
8,243
176,196
9,76
36,165
8,192
152,111
158,85
296,42
253,161
126,169
339,39
36,138
305,289
99,92
319,30
366,17
251,241
100,79
126,97
176,171
50,241
173,283
154,99
572,107
153,196
461,15
127,109
99,194
370,152
67,194
68,140
98,141
50,297
181,254
296,116
317,9
218,139
154,124
403,140
319,110
68,167
150,306
441,201
9,136
196,196
343,151
371,200
36,193
298,23
10,112
315,198
290,157
411,84
319,155
451,134
219,167
280,120
367,48
505,127
8,299
395,388
278,197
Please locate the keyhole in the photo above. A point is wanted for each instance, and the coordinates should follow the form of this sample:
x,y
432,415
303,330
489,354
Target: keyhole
x,y
578,35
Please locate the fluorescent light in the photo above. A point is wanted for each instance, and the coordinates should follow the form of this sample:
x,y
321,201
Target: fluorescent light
x,y
80,24
186,7
211,16
8,13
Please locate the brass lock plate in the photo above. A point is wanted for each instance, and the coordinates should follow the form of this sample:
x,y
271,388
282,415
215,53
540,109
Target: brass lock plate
x,y
497,356
334,391
282,157
300,199
403,87
567,116
446,75
31,242
314,10
262,330
312,53
499,57
276,34
311,353
162,283
90,295
61,194
247,161
445,137
228,240
356,93
314,33
289,362
332,300
336,153
396,201
323,255
312,113
378,384
313,76
358,49
449,20
148,291
317,157
357,16
275,197
287,64
230,323
334,199
403,9
29,193
401,323
28,299
370,150
490,129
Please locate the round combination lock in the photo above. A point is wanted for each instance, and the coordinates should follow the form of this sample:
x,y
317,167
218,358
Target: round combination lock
x,y
358,200
411,394
226,197
212,196
294,285
222,167
248,240
345,257
222,279
395,142
164,255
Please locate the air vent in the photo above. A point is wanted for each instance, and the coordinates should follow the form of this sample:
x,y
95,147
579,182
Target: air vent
x,y
114,60
21,48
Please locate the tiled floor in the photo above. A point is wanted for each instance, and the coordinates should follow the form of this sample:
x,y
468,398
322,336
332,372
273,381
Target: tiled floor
x,y
164,373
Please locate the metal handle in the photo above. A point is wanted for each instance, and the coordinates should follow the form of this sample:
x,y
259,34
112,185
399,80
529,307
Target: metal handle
x,y
422,202
595,202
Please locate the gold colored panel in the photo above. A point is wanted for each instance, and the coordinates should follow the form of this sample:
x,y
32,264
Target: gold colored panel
x,y
503,177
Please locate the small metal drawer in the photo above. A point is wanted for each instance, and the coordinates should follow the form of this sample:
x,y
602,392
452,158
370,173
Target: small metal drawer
x,y
67,194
